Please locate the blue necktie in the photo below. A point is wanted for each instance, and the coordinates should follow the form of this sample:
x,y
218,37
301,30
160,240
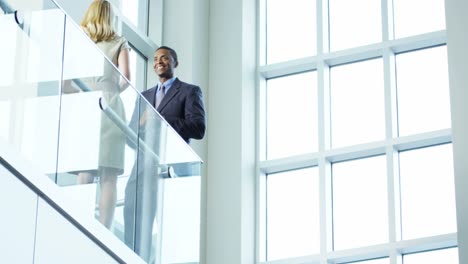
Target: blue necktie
x,y
159,96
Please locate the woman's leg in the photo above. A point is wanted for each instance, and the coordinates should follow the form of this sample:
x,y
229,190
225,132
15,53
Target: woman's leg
x,y
108,196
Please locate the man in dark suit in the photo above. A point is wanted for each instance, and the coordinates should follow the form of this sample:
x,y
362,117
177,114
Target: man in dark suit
x,y
181,105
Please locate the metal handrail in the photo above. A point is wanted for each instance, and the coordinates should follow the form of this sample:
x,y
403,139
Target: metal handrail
x,y
83,87
6,7
166,171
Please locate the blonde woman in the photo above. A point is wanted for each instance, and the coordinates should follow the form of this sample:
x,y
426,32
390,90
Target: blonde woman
x,y
97,23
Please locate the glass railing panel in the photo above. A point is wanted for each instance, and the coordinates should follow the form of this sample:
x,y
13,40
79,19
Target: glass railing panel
x,y
144,187
31,71
116,151
155,165
94,159
181,220
67,109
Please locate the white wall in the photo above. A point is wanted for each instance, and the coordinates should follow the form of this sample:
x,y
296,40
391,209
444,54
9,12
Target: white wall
x,y
231,142
185,29
229,146
457,43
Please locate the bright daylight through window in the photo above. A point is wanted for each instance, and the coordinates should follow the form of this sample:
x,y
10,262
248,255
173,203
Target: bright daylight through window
x,y
355,133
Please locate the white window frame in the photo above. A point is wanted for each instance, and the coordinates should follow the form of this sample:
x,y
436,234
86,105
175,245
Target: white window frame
x,y
326,156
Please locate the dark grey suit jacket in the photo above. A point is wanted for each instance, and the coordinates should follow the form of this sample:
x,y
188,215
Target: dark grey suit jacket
x,y
182,107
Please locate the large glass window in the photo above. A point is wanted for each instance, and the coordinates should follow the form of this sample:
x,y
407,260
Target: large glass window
x,y
359,203
291,32
354,23
292,115
430,17
349,91
423,91
293,213
427,192
136,12
446,256
357,102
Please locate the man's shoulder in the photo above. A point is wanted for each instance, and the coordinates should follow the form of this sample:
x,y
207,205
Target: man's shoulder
x,y
186,85
149,90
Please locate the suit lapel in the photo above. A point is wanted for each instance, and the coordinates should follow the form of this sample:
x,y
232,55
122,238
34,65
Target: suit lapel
x,y
150,96
175,88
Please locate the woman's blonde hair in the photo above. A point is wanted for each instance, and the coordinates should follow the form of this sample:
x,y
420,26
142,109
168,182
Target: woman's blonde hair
x,y
97,21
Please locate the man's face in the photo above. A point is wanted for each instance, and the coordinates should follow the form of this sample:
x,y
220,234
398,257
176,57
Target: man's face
x,y
164,64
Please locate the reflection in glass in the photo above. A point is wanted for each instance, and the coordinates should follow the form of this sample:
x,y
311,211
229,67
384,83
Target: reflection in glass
x,y
292,115
423,91
430,17
427,192
31,70
359,203
445,256
291,30
293,214
357,103
354,23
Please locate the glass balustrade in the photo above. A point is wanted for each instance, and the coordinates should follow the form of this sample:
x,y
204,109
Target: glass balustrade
x,y
70,112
